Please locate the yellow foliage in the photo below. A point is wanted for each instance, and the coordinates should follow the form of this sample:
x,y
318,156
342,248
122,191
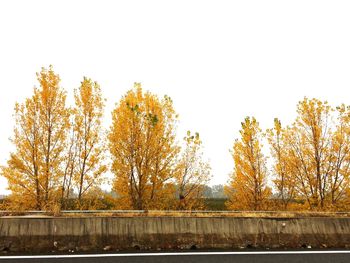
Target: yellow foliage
x,y
192,174
247,189
33,170
90,147
143,149
60,152
284,179
312,157
308,143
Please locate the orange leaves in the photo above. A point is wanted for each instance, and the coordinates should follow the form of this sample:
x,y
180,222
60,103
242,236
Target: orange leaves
x,y
142,144
57,148
39,135
192,174
247,189
310,161
311,158
60,152
309,140
89,144
284,179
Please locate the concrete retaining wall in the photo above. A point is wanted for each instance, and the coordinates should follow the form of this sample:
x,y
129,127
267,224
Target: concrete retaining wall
x,y
116,233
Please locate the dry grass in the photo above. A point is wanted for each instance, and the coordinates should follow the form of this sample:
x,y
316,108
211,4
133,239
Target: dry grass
x,y
130,213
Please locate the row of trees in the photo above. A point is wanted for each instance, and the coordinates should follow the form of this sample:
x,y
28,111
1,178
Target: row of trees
x,y
61,151
310,160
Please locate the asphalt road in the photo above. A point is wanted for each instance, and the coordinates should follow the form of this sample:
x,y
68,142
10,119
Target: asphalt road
x,y
202,257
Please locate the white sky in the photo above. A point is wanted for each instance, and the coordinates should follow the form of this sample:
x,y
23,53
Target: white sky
x,y
219,60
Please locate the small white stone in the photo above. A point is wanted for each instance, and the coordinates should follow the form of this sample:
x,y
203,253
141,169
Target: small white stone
x,y
106,248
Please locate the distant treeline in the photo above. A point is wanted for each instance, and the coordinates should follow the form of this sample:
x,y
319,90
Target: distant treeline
x,y
213,198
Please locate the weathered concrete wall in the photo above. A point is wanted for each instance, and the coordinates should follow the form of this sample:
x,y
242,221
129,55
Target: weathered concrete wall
x,y
112,233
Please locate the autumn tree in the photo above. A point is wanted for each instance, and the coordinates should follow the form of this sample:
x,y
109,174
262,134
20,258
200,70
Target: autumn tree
x,y
54,122
22,170
310,140
34,170
192,174
248,189
89,163
340,159
284,179
143,149
317,153
69,163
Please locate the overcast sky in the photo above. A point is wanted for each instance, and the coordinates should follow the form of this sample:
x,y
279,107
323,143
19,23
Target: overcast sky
x,y
219,60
